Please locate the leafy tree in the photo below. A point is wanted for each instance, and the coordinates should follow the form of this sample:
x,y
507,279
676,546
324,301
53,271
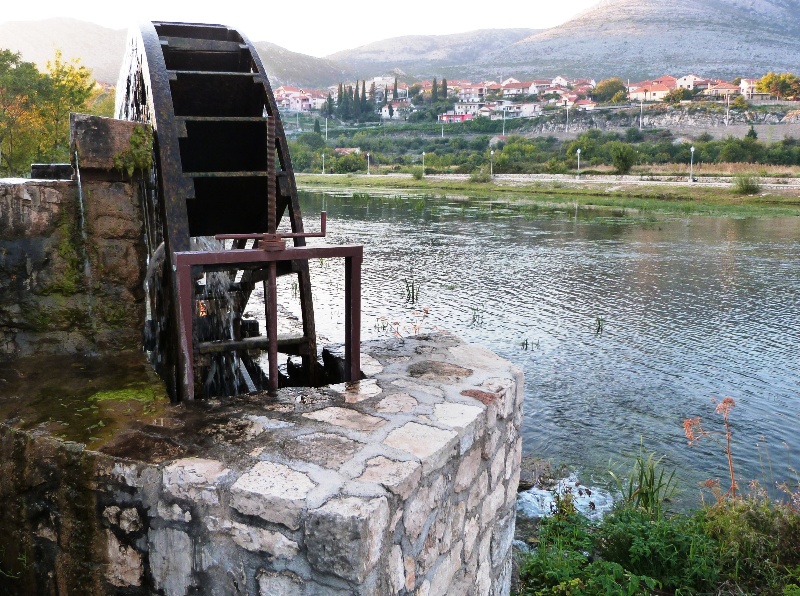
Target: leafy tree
x,y
677,95
19,85
606,90
779,85
312,140
623,156
619,97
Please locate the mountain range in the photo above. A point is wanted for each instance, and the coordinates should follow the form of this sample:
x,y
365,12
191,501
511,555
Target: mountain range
x,y
627,38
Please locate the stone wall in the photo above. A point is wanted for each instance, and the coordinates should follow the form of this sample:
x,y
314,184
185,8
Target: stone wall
x,y
402,483
70,278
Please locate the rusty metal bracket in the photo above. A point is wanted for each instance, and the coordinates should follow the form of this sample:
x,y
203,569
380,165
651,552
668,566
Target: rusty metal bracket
x,y
185,262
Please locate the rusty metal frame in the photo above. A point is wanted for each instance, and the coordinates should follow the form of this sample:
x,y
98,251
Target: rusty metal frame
x,y
184,263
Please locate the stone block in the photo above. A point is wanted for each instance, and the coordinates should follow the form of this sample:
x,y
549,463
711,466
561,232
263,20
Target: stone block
x,y
273,492
171,560
124,568
270,543
345,536
397,403
284,583
324,449
468,469
432,445
399,477
346,418
492,504
99,140
194,479
457,415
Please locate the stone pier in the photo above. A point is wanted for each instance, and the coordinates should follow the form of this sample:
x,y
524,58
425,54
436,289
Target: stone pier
x,y
402,483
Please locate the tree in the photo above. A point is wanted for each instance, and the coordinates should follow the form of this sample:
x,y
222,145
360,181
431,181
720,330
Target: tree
x,y
394,92
356,102
677,95
623,156
391,111
607,89
434,91
779,85
19,85
444,88
364,104
619,97
317,128
329,106
372,92
751,134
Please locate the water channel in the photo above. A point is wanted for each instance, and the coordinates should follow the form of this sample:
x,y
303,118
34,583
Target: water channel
x,y
624,324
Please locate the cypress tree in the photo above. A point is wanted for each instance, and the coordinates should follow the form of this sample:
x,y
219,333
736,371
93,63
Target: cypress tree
x,y
356,102
364,106
317,129
434,91
444,88
394,93
372,91
339,96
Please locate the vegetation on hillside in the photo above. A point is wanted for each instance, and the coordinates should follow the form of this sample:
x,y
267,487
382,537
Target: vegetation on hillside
x,y
401,147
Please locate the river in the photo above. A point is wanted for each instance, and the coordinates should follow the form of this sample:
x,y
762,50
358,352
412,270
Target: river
x,y
624,325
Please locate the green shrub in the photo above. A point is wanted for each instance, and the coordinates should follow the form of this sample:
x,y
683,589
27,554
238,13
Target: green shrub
x,y
759,540
746,185
480,175
417,173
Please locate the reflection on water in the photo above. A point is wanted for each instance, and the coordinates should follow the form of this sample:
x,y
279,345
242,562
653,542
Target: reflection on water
x,y
82,399
623,326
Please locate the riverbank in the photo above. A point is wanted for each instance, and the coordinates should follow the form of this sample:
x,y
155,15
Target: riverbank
x,y
779,196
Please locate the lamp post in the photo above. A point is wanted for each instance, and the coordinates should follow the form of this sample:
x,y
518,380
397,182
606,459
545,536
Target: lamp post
x,y
691,165
423,163
367,164
578,151
491,164
323,162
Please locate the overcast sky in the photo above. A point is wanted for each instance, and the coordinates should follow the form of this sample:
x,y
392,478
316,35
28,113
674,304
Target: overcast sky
x,y
314,27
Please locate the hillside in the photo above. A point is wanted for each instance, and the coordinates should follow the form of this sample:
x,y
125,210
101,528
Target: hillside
x,y
101,49
427,55
642,38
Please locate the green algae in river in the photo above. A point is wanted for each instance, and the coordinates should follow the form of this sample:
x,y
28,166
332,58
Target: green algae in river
x,y
86,400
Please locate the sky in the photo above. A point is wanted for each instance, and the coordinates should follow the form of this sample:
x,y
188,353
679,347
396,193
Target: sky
x,y
313,27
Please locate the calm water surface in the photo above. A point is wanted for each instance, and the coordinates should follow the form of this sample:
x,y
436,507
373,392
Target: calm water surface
x,y
632,324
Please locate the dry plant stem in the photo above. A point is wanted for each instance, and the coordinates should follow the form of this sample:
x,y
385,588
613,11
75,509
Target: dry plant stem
x,y
693,429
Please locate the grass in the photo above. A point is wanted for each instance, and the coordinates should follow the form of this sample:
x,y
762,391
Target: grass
x,y
684,199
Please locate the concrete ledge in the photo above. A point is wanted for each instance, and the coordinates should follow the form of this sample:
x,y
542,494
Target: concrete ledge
x,y
404,483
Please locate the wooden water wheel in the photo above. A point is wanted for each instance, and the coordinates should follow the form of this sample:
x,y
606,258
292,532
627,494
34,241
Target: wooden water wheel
x,y
220,166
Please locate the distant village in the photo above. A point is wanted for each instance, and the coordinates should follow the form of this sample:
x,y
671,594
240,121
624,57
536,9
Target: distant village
x,y
512,98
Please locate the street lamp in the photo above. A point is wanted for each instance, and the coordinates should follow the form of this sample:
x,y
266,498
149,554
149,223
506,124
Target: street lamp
x,y
578,151
691,165
323,162
423,163
367,164
491,164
